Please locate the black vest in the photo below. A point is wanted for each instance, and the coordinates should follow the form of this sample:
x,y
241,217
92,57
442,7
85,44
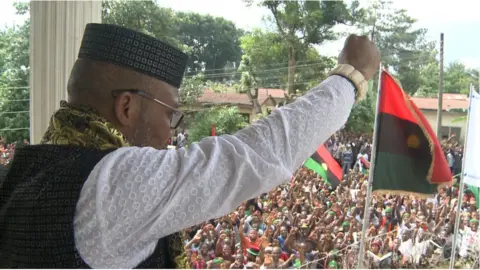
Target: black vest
x,y
38,199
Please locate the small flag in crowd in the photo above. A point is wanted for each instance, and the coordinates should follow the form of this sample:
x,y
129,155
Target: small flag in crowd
x,y
213,130
365,165
325,165
408,155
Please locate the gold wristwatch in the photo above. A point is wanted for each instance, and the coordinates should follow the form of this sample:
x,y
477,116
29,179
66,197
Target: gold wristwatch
x,y
355,77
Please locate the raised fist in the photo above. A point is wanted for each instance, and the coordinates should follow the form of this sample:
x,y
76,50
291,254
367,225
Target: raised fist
x,y
362,54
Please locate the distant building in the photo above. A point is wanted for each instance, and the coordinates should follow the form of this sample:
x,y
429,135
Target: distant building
x,y
268,99
455,106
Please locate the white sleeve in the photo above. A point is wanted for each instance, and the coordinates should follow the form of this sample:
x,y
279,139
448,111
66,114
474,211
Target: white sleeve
x,y
136,195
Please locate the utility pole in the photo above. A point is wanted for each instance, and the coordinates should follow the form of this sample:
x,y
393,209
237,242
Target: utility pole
x,y
440,92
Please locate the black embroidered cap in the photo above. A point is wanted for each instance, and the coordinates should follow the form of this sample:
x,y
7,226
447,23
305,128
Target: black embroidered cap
x,y
132,49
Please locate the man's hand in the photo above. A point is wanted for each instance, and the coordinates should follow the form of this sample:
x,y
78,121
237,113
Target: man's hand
x,y
362,54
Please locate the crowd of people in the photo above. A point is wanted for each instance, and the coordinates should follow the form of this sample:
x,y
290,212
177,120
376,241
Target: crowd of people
x,y
7,151
309,224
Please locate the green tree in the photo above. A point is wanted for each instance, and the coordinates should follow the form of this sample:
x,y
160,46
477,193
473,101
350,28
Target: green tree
x,y
249,82
192,88
302,24
214,43
14,79
227,120
268,54
429,80
404,48
457,78
362,117
144,16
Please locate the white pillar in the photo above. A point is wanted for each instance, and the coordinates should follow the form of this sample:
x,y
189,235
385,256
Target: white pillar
x,y
55,35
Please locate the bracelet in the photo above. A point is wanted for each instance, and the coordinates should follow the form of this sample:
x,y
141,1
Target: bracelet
x,y
354,77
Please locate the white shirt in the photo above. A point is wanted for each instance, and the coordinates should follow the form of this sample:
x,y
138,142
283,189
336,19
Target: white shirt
x,y
136,195
359,161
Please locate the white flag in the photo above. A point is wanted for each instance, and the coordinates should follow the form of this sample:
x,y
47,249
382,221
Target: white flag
x,y
472,154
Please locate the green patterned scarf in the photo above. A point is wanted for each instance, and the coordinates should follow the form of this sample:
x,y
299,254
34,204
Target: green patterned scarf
x,y
81,126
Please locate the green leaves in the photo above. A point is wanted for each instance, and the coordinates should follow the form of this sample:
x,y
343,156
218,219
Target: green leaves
x,y
404,48
302,24
213,43
227,120
143,16
192,88
457,78
362,116
14,79
268,56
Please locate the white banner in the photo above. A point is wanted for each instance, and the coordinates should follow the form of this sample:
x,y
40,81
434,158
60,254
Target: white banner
x,y
472,155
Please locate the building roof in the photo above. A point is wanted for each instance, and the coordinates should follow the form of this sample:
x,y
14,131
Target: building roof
x,y
209,96
450,101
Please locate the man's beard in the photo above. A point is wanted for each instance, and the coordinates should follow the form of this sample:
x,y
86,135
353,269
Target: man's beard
x,y
141,135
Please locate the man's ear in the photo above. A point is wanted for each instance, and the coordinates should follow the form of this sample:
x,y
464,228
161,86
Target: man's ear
x,y
127,109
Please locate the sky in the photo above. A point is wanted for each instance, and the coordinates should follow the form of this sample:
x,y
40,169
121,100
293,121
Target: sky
x,y
459,20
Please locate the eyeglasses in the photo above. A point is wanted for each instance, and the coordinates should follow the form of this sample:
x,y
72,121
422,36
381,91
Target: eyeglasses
x,y
177,115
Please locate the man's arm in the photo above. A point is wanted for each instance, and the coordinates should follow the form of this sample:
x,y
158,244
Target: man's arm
x,y
135,196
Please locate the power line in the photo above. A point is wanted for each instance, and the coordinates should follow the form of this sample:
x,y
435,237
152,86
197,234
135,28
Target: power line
x,y
417,58
269,65
278,76
19,87
315,63
14,112
14,100
13,129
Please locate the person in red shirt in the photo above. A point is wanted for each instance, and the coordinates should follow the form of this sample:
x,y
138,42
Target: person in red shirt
x,y
252,241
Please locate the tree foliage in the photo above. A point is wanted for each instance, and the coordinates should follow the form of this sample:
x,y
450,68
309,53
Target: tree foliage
x,y
192,88
284,56
144,16
362,117
302,24
457,78
405,50
227,120
14,79
268,53
249,82
214,43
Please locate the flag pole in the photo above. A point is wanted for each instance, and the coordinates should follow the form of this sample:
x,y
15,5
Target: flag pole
x,y
461,186
366,211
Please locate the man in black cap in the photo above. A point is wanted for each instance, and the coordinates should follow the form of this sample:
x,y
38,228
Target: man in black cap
x,y
100,191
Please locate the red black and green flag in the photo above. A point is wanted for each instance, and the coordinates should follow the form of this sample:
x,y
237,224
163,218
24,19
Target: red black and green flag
x,y
325,165
366,164
409,157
